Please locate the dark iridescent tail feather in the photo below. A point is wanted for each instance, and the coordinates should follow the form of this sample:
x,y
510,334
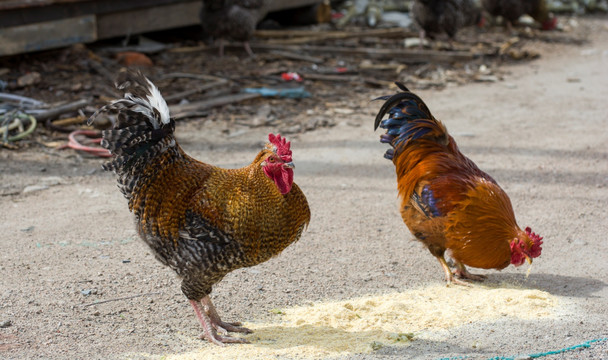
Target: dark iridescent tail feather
x,y
143,129
409,119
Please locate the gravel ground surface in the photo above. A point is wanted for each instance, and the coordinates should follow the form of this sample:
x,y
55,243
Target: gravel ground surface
x,y
77,283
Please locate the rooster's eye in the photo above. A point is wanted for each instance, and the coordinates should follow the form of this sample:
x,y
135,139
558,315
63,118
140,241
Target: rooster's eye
x,y
271,159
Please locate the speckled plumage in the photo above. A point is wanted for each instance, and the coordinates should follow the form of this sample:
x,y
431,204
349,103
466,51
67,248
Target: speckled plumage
x,y
201,220
445,16
447,202
231,19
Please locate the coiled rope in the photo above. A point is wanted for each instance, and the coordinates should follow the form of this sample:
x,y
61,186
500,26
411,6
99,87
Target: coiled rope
x,y
586,344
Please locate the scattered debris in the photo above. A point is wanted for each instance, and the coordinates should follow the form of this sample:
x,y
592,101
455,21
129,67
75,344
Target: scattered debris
x,y
376,345
298,57
21,101
44,184
288,76
293,93
13,126
365,51
65,125
55,111
5,324
29,79
119,299
87,292
132,58
89,137
401,337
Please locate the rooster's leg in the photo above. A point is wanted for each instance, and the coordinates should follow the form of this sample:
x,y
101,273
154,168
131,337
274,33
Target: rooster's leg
x,y
510,29
421,35
221,41
218,324
209,331
463,273
449,277
248,49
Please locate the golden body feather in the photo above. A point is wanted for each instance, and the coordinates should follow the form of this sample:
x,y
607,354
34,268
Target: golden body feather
x,y
243,203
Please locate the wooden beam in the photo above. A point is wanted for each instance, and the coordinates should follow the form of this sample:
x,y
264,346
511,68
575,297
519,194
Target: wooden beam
x,y
276,5
56,111
149,19
327,77
22,12
400,55
47,35
304,36
296,56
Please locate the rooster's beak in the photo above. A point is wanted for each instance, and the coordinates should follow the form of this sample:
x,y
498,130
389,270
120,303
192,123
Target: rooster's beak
x,y
289,165
529,259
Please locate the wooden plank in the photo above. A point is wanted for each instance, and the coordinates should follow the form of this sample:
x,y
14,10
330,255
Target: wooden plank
x,y
272,5
47,35
296,56
150,19
277,5
58,110
327,77
276,35
12,4
402,55
20,12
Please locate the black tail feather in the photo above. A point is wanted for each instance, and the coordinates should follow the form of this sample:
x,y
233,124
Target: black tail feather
x,y
409,119
394,100
143,129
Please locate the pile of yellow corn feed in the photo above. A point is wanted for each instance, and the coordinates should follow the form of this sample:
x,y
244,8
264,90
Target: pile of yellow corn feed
x,y
364,324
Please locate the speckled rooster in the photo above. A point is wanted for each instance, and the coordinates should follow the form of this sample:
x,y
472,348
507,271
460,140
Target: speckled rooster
x,y
445,16
447,202
232,19
201,220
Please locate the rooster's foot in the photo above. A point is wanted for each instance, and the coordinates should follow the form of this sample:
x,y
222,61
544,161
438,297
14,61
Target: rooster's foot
x,y
212,324
469,276
224,327
457,281
221,326
222,340
462,272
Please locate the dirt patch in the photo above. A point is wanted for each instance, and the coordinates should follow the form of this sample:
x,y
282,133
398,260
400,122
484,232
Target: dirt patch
x,y
364,325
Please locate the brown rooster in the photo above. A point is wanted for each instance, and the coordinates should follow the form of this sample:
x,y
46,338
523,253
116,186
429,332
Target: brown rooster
x,y
445,16
201,220
447,202
511,10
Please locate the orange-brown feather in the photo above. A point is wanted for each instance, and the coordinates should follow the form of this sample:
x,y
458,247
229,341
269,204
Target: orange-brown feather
x,y
481,227
477,227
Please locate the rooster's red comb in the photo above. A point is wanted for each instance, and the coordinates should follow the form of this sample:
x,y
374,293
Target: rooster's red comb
x,y
282,146
537,241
